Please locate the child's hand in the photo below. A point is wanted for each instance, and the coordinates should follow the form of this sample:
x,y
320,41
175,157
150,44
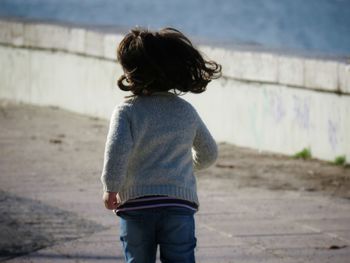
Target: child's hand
x,y
110,200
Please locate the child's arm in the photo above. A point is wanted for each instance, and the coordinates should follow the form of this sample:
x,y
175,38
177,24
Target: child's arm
x,y
205,148
118,148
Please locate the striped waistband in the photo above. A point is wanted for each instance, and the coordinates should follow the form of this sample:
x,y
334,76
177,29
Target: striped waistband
x,y
148,202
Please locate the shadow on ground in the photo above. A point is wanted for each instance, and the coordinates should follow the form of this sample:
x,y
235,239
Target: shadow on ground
x,y
28,225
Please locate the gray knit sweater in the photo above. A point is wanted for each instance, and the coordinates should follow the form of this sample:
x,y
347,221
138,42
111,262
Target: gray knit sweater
x,y
153,146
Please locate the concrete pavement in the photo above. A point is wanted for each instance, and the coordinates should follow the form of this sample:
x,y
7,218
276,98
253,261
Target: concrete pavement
x,y
50,162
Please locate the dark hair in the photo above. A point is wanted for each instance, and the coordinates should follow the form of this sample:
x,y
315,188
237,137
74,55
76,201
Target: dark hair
x,y
162,61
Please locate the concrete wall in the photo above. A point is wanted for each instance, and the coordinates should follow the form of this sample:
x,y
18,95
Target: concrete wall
x,y
267,101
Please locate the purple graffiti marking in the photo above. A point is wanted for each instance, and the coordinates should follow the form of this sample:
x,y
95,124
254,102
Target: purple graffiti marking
x,y
302,112
332,134
277,107
279,110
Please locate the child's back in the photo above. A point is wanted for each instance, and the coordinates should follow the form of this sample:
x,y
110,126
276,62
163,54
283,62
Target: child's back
x,y
157,134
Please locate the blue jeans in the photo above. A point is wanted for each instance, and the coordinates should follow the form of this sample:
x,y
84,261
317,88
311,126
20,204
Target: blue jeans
x,y
172,228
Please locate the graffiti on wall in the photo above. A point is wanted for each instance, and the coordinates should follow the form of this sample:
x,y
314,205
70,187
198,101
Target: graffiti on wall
x,y
278,108
301,108
333,134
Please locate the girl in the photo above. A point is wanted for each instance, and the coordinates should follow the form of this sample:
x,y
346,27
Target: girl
x,y
154,143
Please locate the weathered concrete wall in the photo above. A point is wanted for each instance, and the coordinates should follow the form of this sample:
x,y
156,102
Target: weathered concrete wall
x,y
78,83
277,118
266,101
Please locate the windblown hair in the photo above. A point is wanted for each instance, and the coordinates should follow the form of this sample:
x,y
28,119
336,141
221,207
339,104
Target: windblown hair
x,y
162,61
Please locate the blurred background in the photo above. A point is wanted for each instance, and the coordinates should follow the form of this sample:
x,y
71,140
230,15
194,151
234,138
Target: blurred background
x,y
320,26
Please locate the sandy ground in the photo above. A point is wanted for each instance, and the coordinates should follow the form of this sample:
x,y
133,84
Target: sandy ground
x,y
248,168
50,163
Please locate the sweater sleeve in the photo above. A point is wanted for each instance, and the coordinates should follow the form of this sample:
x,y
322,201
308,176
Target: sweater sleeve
x,y
118,148
205,151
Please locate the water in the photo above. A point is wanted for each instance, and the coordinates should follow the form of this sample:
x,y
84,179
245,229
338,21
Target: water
x,y
309,25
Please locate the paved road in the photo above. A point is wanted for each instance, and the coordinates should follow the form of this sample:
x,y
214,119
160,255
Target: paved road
x,y
51,211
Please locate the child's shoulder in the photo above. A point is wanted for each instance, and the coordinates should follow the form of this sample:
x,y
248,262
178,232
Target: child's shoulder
x,y
126,103
123,107
186,104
